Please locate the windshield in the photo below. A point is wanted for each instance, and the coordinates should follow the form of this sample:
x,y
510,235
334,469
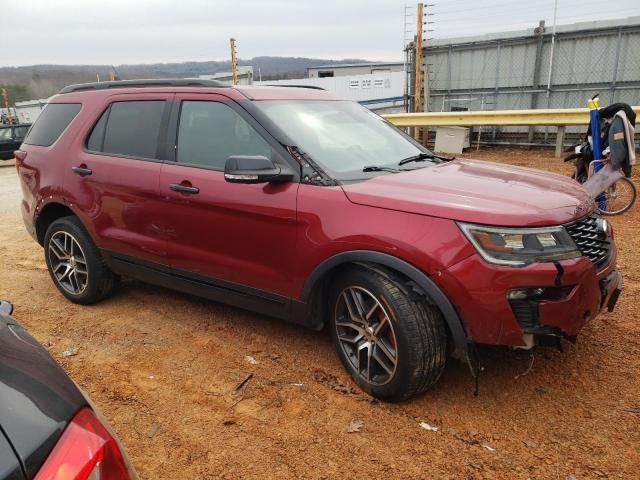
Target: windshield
x,y
342,137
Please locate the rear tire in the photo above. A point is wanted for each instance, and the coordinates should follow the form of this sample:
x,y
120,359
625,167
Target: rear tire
x,y
390,339
75,263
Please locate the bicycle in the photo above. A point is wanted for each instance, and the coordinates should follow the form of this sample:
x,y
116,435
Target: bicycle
x,y
616,199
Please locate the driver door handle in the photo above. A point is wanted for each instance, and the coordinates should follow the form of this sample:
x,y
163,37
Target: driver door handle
x,y
177,187
82,170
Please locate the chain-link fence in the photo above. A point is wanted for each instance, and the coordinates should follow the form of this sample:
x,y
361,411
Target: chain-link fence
x,y
511,72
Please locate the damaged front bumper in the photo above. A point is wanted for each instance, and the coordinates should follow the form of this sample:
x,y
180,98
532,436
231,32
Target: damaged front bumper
x,y
563,315
611,289
524,306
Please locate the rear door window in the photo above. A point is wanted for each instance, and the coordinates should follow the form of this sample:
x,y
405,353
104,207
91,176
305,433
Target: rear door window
x,y
129,128
51,123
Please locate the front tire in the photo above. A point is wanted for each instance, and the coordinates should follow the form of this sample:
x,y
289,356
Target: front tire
x,y
389,338
75,264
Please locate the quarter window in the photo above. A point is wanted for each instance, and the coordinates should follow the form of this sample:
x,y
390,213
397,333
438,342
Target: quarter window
x,y
129,128
20,132
96,139
210,132
51,123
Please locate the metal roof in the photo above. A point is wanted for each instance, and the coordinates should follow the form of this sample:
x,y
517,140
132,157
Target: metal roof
x,y
351,65
567,28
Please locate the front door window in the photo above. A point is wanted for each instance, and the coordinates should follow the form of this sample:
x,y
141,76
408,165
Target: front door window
x,y
211,132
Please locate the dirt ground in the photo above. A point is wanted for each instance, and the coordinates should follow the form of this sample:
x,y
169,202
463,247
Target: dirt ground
x,y
164,368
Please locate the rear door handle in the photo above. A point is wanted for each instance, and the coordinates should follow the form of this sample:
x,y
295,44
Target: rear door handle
x,y
82,170
177,187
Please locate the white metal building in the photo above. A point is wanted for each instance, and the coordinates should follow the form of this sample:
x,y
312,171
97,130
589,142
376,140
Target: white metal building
x,y
378,91
28,111
345,70
245,76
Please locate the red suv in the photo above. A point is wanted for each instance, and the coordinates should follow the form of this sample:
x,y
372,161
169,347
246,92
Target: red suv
x,y
302,206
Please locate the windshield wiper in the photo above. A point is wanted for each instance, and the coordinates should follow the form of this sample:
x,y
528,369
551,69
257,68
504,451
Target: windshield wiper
x,y
422,157
375,168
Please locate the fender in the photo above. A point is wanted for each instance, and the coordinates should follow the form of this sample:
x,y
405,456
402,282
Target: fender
x,y
49,201
456,328
42,204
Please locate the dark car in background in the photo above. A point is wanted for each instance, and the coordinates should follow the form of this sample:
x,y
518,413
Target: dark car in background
x,y
48,428
11,137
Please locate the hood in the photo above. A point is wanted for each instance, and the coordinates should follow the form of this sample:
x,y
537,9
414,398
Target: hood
x,y
478,192
37,399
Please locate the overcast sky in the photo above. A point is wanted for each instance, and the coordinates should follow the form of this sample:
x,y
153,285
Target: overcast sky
x,y
148,31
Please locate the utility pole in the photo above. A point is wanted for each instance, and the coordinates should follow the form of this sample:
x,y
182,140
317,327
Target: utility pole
x,y
428,15
407,47
418,133
234,62
5,95
553,43
539,32
417,85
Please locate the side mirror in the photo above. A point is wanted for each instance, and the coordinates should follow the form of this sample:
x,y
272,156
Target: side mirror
x,y
254,169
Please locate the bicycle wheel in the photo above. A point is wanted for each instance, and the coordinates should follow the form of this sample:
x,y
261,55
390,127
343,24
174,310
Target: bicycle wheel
x,y
619,197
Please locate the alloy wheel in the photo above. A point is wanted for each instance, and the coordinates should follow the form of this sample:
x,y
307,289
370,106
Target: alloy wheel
x,y
68,262
366,335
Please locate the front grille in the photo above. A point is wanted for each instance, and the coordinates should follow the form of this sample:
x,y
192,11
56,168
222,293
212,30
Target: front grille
x,y
590,239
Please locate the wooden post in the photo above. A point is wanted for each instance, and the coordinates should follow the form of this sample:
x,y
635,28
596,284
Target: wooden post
x,y
426,92
5,95
417,62
234,62
536,74
417,86
560,140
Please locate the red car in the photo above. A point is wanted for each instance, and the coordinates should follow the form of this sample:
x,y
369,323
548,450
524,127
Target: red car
x,y
299,205
49,428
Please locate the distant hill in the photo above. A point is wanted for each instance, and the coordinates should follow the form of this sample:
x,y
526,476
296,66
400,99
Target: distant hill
x,y
41,81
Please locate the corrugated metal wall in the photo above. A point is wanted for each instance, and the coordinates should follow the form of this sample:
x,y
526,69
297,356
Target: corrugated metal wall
x,y
512,73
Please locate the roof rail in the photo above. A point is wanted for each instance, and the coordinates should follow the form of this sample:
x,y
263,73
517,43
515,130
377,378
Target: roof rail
x,y
312,87
156,82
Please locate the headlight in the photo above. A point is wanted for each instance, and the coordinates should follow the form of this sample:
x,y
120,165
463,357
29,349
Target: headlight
x,y
520,246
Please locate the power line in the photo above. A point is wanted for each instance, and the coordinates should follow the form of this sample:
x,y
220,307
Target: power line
x,y
484,6
585,5
486,25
